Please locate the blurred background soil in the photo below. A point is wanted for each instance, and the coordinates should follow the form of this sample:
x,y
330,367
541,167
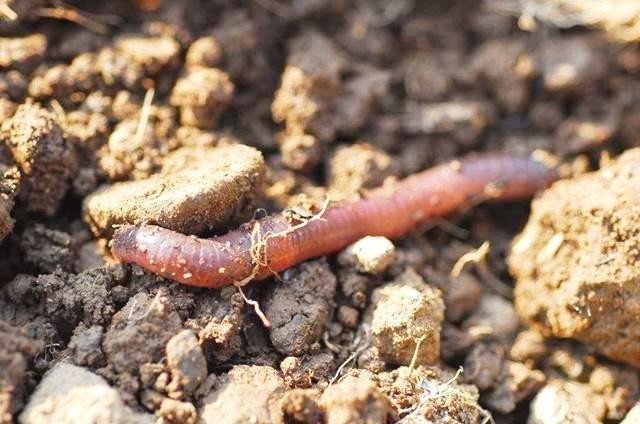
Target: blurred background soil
x,y
198,115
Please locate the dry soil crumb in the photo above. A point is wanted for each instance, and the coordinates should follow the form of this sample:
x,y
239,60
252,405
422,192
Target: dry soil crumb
x,y
566,401
46,161
139,332
22,53
493,315
245,394
401,314
204,195
46,249
299,307
633,416
16,351
152,53
371,255
301,406
85,345
217,319
186,362
6,222
71,394
576,260
176,412
202,95
355,400
355,168
515,383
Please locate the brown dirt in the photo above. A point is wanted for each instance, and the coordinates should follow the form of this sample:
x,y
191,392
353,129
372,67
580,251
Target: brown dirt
x,y
197,115
576,260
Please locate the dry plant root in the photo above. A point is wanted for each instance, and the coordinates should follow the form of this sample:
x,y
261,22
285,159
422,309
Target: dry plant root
x,y
272,244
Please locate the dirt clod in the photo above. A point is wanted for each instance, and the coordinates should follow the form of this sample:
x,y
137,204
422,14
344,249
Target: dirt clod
x,y
562,400
16,351
22,53
355,400
186,362
46,161
202,95
139,332
301,406
355,168
85,345
575,260
46,249
71,394
246,393
403,314
204,195
299,307
176,412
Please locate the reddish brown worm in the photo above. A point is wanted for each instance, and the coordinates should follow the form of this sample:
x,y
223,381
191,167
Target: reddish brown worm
x,y
272,244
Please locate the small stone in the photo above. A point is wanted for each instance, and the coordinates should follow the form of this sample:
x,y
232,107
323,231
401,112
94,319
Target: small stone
x,y
185,360
205,194
404,313
71,394
370,254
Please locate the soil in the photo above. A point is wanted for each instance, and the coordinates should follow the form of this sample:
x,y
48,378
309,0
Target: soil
x,y
200,115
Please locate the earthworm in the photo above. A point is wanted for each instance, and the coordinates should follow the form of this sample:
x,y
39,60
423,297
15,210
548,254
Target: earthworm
x,y
272,244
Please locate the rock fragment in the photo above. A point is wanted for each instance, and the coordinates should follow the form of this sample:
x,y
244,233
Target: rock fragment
x,y
371,255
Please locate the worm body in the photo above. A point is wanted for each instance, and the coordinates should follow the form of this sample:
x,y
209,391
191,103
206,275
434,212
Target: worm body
x,y
272,244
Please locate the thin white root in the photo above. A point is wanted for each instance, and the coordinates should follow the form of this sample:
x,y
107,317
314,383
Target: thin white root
x,y
475,256
256,308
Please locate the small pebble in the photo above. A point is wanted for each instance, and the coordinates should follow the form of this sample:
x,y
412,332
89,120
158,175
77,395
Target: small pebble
x,y
371,255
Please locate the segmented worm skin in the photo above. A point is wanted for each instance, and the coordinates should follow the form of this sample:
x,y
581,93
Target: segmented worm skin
x,y
386,211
